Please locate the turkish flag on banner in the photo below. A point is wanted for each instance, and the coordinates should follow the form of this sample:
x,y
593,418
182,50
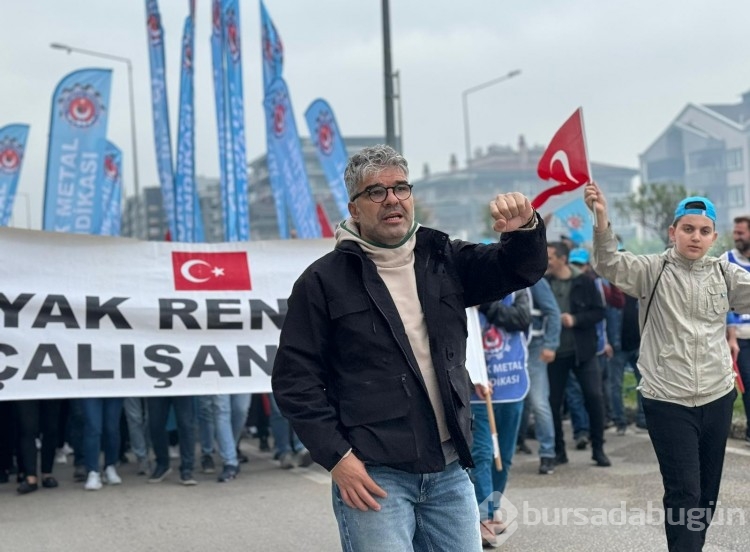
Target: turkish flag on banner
x,y
195,271
565,159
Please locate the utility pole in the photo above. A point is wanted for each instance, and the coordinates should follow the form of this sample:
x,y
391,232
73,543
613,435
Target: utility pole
x,y
390,134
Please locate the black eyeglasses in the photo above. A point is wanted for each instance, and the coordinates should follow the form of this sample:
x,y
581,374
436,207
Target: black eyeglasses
x,y
378,192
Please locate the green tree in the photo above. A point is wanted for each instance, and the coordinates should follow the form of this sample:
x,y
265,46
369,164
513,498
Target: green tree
x,y
652,206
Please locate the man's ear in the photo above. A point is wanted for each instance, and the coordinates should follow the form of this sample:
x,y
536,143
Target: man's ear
x,y
353,210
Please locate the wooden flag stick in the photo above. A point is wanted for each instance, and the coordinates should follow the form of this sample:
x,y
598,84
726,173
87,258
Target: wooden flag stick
x,y
493,431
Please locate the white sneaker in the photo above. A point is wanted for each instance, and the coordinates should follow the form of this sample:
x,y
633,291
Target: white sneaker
x,y
67,449
174,451
93,482
61,457
111,477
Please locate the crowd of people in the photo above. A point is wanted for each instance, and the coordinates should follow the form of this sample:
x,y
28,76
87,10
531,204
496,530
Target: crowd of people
x,y
98,435
370,381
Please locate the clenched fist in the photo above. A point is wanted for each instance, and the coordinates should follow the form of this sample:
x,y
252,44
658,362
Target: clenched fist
x,y
511,211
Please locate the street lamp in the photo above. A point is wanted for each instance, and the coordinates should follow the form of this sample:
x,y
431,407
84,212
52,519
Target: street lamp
x,y
465,94
136,186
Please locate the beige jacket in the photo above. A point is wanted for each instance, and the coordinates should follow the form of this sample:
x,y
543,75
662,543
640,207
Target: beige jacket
x,y
684,356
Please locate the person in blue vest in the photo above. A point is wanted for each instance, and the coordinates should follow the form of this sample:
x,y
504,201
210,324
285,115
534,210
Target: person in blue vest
x,y
505,327
738,325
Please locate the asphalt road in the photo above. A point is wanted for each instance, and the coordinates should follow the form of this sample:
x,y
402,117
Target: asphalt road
x,y
267,508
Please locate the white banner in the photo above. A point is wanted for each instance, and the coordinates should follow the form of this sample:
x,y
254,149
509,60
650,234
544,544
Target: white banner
x,y
95,316
90,316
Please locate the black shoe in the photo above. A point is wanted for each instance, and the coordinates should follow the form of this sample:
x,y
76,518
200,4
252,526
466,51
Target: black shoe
x,y
547,466
49,482
228,473
264,446
581,443
186,478
303,458
4,478
523,447
561,458
241,457
25,487
600,458
79,473
159,473
207,464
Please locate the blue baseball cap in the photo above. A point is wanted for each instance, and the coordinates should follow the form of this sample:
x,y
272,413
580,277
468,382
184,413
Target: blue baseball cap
x,y
579,256
707,209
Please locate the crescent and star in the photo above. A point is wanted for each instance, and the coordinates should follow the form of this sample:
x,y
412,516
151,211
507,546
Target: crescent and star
x,y
186,266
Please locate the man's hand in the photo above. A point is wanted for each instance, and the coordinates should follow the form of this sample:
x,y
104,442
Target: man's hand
x,y
511,211
595,200
567,320
482,391
355,485
547,355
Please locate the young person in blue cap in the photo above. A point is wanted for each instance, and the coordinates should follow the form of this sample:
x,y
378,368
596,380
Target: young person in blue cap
x,y
688,382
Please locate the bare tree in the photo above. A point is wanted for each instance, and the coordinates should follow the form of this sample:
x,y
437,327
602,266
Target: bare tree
x,y
652,206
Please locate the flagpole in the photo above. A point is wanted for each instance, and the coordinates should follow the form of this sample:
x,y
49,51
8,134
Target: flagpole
x,y
597,222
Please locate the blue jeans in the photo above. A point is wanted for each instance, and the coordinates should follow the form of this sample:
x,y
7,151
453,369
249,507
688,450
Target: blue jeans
x,y
579,418
284,437
222,417
433,512
101,430
538,401
158,414
240,404
486,477
137,418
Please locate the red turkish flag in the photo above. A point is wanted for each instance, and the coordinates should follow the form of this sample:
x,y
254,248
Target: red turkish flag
x,y
565,159
197,271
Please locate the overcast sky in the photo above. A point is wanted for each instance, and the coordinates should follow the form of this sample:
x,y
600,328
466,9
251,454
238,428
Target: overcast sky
x,y
632,65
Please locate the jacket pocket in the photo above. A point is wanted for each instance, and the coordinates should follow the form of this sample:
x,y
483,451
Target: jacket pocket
x,y
376,417
341,306
460,391
718,300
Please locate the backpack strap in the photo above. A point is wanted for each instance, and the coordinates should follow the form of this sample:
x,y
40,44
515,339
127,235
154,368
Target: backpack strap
x,y
653,291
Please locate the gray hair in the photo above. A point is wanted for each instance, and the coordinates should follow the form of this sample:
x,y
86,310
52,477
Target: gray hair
x,y
371,160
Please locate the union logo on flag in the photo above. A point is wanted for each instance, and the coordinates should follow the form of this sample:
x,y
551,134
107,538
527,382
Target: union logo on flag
x,y
197,271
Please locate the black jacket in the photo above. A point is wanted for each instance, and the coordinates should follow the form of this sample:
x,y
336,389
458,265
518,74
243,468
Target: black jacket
x,y
587,307
345,374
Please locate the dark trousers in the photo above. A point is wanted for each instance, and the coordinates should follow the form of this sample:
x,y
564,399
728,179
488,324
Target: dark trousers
x,y
743,363
158,413
37,418
589,376
689,443
74,430
7,435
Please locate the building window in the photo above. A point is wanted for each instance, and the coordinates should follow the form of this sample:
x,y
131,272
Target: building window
x,y
706,160
736,196
734,159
